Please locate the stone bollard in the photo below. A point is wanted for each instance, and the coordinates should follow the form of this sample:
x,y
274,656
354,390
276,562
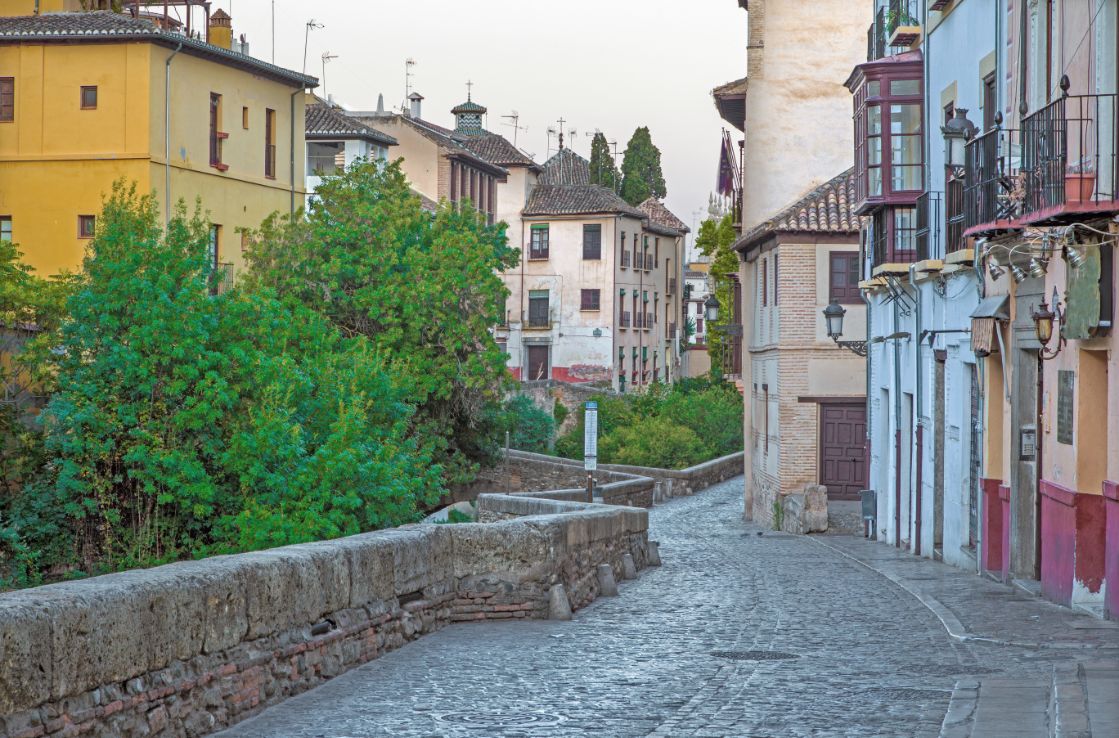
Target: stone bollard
x,y
559,608
607,587
654,553
629,569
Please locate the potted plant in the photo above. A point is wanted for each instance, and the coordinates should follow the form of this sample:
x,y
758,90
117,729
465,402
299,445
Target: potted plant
x,y
1080,181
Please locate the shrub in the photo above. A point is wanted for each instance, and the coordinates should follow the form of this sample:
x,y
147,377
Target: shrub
x,y
529,427
657,442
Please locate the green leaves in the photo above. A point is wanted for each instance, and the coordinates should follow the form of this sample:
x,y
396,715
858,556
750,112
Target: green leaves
x,y
642,177
603,170
716,240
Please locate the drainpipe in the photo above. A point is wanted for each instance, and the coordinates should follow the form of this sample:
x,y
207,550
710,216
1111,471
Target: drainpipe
x,y
869,384
897,434
614,295
919,433
291,155
166,129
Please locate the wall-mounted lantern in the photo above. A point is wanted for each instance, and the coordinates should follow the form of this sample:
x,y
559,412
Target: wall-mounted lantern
x,y
833,317
957,132
1044,319
711,308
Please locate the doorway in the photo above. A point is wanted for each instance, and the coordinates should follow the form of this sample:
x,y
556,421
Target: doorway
x,y
1025,559
843,449
938,453
538,364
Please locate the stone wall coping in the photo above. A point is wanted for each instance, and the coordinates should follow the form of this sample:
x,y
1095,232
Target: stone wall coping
x,y
640,471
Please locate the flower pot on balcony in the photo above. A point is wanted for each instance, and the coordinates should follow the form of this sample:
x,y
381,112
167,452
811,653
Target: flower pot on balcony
x,y
1079,186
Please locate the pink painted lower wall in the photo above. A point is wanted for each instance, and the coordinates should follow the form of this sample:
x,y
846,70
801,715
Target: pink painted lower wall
x,y
1111,550
1004,506
1072,542
992,551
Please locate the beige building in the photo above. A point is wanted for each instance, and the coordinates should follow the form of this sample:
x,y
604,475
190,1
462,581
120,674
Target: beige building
x,y
795,116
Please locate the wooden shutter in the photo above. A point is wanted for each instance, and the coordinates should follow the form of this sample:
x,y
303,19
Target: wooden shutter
x,y
7,99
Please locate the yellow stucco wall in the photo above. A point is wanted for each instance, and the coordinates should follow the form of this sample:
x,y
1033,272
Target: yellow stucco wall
x,y
28,7
57,161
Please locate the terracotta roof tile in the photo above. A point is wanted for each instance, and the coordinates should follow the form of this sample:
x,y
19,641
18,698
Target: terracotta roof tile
x,y
324,121
585,199
826,209
566,168
661,216
496,149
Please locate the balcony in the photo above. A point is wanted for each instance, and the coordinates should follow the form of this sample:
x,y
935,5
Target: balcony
x,y
625,259
671,332
638,319
624,320
1062,165
650,321
928,226
671,286
903,22
540,320
221,279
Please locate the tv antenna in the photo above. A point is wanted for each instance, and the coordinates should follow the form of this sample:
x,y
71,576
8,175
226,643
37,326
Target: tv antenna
x,y
312,25
326,56
515,119
551,133
408,74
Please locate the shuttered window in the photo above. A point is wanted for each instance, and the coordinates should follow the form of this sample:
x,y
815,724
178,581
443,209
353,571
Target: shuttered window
x,y
589,300
843,279
7,99
538,313
538,248
592,241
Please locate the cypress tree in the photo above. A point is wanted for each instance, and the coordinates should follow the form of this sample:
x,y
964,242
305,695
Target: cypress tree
x,y
603,171
642,177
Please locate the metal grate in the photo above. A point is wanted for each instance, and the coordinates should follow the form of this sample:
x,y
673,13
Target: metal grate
x,y
492,719
755,655
907,693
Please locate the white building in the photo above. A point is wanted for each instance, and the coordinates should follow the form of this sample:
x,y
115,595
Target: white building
x,y
335,141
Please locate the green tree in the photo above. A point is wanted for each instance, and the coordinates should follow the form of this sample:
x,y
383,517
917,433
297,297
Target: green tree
x,y
423,290
716,241
603,170
642,177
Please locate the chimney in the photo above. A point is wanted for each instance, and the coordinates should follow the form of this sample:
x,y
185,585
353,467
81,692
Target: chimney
x,y
414,102
221,30
380,104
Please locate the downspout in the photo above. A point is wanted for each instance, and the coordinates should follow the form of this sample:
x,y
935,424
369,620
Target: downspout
x,y
897,434
166,130
614,298
291,153
918,423
869,384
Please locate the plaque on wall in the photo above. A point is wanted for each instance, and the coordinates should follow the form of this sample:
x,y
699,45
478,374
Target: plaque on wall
x,y
1066,382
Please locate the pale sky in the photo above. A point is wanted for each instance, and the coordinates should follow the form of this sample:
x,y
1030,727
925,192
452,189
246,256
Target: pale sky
x,y
613,65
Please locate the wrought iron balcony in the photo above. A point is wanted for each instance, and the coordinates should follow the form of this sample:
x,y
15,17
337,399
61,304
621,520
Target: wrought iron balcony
x,y
928,226
671,286
624,319
221,279
625,258
903,22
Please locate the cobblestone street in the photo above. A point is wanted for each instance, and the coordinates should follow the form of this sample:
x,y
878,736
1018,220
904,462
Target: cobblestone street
x,y
742,632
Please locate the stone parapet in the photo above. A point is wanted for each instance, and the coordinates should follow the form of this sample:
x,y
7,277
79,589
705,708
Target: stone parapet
x,y
192,647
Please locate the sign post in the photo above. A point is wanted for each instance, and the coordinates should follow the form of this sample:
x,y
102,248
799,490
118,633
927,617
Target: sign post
x,y
590,445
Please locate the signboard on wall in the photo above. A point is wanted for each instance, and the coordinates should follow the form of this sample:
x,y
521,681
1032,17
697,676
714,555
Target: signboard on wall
x,y
590,437
1066,384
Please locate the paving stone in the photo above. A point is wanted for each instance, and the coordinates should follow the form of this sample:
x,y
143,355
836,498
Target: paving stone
x,y
872,660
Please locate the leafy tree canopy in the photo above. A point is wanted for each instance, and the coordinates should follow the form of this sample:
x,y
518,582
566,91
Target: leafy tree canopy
x,y
642,177
716,240
603,170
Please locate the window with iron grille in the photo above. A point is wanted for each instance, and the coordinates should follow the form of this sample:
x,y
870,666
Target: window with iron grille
x,y
7,99
538,248
216,134
592,241
538,313
843,277
589,299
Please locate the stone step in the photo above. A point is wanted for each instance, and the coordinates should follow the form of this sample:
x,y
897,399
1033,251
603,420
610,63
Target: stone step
x,y
1101,683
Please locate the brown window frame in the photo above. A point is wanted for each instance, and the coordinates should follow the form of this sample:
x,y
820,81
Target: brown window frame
x,y
590,300
765,283
6,220
7,89
81,97
82,221
594,252
217,136
847,294
245,117
538,249
269,143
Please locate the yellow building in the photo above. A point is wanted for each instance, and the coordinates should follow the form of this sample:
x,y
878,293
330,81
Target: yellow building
x,y
87,98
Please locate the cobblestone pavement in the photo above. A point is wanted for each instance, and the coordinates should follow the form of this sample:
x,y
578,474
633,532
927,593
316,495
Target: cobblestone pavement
x,y
737,635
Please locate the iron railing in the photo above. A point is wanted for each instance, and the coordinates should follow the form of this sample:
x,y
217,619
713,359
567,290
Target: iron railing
x,y
876,37
954,212
623,320
928,226
993,187
221,279
649,321
672,286
903,14
625,258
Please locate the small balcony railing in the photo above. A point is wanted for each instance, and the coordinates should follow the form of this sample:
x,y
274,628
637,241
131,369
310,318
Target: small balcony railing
x,y
650,320
887,253
876,37
221,279
993,188
671,286
928,226
624,320
903,22
1069,150
671,331
625,259
955,215
638,320
539,319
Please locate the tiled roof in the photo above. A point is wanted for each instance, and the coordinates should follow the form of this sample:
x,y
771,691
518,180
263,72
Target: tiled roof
x,y
426,202
469,107
496,149
440,135
566,168
100,26
324,121
585,199
661,216
826,209
732,89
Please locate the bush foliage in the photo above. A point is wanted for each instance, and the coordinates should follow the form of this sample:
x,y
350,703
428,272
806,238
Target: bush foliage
x,y
667,426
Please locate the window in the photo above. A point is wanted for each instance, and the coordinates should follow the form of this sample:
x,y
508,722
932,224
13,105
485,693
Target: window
x,y
86,226
269,143
889,151
589,299
699,326
245,118
323,157
5,228
7,99
592,241
906,147
765,283
89,97
776,282
538,313
538,248
216,134
843,277
214,249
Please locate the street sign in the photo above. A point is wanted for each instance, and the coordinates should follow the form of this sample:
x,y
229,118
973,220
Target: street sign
x,y
590,437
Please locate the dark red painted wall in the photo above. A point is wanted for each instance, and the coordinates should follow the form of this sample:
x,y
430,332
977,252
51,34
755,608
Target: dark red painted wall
x,y
1072,541
992,526
1111,549
1004,504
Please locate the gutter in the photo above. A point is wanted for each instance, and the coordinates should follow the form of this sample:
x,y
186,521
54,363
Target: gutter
x,y
291,155
166,132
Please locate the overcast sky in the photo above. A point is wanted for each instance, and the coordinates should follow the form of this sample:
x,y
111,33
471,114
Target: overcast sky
x,y
612,65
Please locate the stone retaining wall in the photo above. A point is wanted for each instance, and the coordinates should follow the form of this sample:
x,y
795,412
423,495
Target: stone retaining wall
x,y
190,648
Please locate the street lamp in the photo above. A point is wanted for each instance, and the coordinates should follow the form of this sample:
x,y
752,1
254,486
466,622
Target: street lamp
x,y
711,308
833,317
957,132
1043,318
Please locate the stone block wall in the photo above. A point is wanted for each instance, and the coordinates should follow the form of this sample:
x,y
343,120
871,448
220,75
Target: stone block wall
x,y
189,648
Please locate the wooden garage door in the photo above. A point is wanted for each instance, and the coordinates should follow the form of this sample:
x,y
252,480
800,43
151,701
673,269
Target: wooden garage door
x,y
842,455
